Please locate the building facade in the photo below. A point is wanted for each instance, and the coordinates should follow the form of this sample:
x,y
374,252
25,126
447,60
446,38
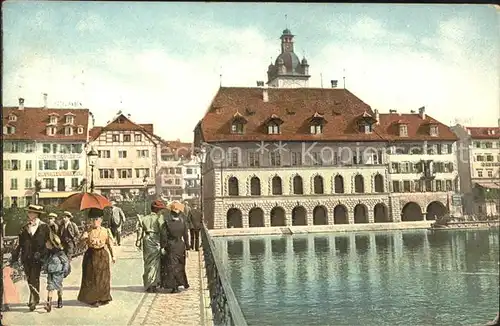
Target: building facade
x,y
479,168
174,155
44,157
291,155
192,178
128,159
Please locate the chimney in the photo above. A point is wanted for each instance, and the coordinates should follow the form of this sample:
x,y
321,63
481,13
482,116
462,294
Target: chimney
x,y
468,130
393,111
265,95
334,83
21,103
45,100
412,111
421,112
377,116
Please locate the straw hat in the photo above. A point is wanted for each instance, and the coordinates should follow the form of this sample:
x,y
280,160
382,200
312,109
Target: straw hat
x,y
55,240
67,214
52,215
176,207
35,209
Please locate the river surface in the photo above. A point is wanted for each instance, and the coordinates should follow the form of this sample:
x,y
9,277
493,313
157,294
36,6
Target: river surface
x,y
366,278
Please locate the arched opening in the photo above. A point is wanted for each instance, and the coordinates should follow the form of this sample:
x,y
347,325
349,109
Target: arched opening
x,y
298,185
320,215
234,218
277,187
359,184
339,184
233,187
299,216
379,183
340,215
278,216
435,210
256,218
411,212
255,186
318,184
360,214
380,213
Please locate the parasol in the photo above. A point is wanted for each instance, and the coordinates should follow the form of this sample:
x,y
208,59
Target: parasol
x,y
85,200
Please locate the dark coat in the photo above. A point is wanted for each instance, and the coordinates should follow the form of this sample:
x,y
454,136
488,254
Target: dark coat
x,y
195,219
31,248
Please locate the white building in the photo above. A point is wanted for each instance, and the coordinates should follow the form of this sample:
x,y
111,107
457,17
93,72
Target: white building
x,y
479,167
191,177
43,146
306,156
127,165
174,155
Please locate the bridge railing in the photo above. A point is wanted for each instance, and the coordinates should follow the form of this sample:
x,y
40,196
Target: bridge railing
x,y
225,307
9,244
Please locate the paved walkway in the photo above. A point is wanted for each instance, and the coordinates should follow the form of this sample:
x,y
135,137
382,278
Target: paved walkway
x,y
130,305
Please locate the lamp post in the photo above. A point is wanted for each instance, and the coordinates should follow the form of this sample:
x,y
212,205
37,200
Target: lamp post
x,y
92,156
145,182
202,155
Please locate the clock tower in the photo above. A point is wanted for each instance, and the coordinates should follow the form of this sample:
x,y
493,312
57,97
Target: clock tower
x,y
288,71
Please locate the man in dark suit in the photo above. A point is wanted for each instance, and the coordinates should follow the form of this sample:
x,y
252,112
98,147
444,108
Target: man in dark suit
x,y
195,223
31,248
69,234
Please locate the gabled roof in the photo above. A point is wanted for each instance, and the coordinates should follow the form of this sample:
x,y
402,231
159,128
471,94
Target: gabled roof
x,y
418,128
121,123
296,106
31,123
484,132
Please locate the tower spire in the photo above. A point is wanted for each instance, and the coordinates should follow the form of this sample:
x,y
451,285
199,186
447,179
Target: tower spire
x,y
286,21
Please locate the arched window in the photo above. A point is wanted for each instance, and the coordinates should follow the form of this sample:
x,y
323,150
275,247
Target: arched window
x,y
359,184
318,184
298,185
277,188
233,187
339,184
255,186
379,183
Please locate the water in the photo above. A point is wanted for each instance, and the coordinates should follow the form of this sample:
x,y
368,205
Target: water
x,y
369,278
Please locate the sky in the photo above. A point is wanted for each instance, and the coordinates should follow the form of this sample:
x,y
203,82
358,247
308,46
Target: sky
x,y
161,62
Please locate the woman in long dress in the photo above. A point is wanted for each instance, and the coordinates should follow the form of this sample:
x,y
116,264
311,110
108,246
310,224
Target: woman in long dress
x,y
175,246
95,288
148,235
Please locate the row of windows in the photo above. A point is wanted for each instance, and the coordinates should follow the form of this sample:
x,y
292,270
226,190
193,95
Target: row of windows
x,y
430,149
67,131
419,167
43,165
16,165
141,153
69,119
47,183
424,185
126,138
298,185
489,173
189,171
486,144
23,147
123,173
486,158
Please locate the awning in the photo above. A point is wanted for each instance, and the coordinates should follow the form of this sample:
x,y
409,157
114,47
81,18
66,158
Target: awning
x,y
56,194
489,185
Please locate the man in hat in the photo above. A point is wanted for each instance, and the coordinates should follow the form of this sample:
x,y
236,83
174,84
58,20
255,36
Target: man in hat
x,y
31,248
117,220
52,222
69,234
148,236
195,223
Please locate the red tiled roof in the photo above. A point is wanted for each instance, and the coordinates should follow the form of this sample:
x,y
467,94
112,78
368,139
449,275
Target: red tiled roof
x,y
177,147
296,106
31,123
484,132
148,126
418,128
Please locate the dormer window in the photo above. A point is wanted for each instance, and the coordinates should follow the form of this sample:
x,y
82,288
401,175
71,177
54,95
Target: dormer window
x,y
365,123
273,125
238,123
317,122
70,119
53,120
51,131
12,117
68,131
403,128
433,130
79,130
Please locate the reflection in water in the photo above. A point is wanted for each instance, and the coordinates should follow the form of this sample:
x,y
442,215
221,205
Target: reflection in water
x,y
448,277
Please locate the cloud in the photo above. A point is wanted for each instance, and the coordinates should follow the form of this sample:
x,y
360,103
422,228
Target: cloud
x,y
90,23
155,83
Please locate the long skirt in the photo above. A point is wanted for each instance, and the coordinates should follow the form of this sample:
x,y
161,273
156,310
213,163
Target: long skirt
x,y
175,265
55,281
151,253
96,277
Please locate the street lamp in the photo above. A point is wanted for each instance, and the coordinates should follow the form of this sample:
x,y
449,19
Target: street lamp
x,y
92,156
202,155
145,182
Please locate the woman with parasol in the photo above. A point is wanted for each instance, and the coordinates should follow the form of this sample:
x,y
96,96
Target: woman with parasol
x,y
95,288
